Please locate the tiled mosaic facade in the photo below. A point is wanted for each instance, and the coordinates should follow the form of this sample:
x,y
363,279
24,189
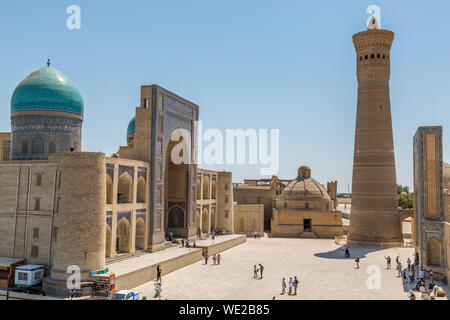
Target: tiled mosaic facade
x,y
429,199
35,137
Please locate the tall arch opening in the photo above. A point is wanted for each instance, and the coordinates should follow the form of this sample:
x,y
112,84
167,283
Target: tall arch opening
x,y
197,222
242,225
108,242
205,221
125,189
176,187
433,252
206,188
213,219
213,190
140,234
199,189
123,243
141,190
109,190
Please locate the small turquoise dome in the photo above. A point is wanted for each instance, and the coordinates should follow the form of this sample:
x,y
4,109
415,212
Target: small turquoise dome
x,y
131,127
47,89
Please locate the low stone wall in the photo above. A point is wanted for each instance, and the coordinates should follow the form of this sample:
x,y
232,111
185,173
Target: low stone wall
x,y
24,296
222,246
148,273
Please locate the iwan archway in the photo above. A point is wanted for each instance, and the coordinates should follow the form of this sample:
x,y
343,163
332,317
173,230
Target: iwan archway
x,y
176,183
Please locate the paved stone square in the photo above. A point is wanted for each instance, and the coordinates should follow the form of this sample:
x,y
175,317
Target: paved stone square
x,y
318,263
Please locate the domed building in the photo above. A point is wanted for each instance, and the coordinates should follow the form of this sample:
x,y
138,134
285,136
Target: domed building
x,y
304,209
46,115
130,131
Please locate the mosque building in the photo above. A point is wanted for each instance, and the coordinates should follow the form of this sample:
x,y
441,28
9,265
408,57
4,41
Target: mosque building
x,y
305,209
60,206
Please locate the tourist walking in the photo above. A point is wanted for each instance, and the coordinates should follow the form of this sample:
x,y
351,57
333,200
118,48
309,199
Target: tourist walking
x,y
346,253
431,276
291,285
283,286
206,258
255,271
399,270
214,258
411,276
357,262
218,258
182,242
295,285
158,273
388,262
71,293
409,264
421,275
261,269
416,259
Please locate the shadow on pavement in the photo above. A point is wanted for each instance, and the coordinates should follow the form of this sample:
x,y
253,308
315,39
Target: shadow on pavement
x,y
338,253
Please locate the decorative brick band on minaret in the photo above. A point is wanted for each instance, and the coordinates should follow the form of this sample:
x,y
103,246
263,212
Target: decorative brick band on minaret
x,y
374,214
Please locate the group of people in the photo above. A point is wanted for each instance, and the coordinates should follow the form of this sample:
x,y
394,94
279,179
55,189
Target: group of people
x,y
293,285
258,269
216,258
347,255
187,243
408,274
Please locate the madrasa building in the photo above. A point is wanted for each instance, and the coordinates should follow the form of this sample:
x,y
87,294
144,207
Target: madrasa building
x,y
60,206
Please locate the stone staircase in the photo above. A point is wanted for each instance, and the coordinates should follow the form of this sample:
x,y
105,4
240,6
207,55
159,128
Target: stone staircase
x,y
308,235
125,256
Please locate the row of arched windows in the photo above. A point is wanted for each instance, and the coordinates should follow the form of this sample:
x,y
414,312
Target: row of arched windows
x,y
372,56
37,146
125,190
206,191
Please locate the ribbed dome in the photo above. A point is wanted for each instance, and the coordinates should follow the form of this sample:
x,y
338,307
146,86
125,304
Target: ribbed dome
x,y
47,89
131,127
304,188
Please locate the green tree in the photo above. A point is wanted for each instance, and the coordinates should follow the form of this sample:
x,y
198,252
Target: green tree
x,y
405,200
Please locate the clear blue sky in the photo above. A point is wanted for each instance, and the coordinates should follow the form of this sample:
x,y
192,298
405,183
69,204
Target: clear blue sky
x,y
248,64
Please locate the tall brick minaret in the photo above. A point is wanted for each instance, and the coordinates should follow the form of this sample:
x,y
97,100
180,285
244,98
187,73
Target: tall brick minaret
x,y
374,216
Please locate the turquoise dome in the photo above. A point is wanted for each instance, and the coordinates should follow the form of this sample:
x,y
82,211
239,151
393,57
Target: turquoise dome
x,y
131,127
47,89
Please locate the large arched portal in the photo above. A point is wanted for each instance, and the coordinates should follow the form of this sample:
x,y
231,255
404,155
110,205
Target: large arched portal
x,y
140,234
123,236
176,190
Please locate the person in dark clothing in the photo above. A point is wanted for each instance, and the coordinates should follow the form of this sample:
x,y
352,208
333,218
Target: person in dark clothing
x,y
261,269
158,273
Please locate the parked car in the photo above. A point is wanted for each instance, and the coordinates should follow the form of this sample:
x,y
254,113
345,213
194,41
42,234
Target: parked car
x,y
20,290
125,295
